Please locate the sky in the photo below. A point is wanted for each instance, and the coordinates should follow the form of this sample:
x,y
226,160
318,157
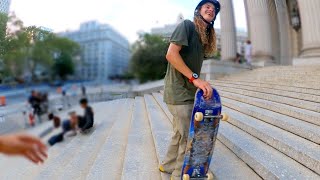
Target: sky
x,y
126,16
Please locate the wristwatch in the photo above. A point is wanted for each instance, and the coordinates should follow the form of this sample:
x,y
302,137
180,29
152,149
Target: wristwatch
x,y
193,77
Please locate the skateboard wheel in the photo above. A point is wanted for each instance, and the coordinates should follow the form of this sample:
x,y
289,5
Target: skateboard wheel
x,y
225,117
209,176
186,177
198,116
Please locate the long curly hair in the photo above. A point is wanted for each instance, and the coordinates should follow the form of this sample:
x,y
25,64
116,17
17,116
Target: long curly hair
x,y
207,36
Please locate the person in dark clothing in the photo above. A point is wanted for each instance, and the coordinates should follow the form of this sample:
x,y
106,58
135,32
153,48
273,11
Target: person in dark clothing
x,y
69,128
83,90
56,120
86,122
35,101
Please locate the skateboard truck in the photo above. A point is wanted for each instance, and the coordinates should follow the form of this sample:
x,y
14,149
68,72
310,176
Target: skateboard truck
x,y
209,176
198,116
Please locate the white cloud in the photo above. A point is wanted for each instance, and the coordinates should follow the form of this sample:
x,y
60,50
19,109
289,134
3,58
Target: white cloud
x,y
126,16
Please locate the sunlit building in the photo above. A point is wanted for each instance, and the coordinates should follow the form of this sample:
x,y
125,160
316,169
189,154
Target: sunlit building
x,y
105,52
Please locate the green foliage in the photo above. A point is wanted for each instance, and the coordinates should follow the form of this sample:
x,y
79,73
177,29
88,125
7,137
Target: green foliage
x,y
65,51
217,55
64,66
26,48
3,23
148,61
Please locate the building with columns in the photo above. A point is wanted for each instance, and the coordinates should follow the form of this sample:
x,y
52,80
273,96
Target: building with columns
x,y
282,32
4,6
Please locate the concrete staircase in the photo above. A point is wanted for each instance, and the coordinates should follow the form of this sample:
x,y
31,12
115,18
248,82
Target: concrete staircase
x,y
273,133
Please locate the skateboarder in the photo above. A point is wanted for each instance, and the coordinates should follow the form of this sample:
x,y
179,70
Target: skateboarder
x,y
190,43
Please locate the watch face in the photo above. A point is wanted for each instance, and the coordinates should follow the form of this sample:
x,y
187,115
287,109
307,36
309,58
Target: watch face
x,y
195,75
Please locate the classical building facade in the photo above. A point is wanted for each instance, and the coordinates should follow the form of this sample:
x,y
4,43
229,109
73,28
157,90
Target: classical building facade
x,y
4,6
105,52
282,32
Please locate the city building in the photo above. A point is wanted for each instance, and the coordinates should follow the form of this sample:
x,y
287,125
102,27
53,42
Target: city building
x,y
4,6
168,29
105,52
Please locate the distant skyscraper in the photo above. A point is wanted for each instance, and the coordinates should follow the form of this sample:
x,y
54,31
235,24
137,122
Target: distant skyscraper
x,y
105,52
4,6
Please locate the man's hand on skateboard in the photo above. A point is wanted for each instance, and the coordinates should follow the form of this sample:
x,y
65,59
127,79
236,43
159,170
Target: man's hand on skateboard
x,y
204,86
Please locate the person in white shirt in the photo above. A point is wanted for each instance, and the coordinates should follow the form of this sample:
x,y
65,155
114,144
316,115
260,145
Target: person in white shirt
x,y
248,52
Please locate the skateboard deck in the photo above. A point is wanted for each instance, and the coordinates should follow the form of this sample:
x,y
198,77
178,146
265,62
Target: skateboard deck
x,y
204,124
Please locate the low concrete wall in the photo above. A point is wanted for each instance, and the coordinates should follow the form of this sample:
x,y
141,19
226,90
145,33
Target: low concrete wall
x,y
213,69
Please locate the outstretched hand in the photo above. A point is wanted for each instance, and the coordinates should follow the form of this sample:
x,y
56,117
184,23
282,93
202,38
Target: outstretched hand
x,y
204,86
24,145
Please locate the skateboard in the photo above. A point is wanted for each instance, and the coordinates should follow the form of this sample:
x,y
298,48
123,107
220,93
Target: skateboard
x,y
204,125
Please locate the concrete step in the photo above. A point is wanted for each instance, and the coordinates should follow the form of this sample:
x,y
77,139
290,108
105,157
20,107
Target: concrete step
x,y
278,76
20,168
303,83
304,115
56,167
117,136
263,159
163,105
273,86
111,155
295,126
289,71
161,129
306,78
140,160
53,168
299,149
285,71
225,164
26,169
305,69
302,104
282,93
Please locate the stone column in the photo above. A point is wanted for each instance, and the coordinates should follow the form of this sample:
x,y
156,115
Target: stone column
x,y
310,26
247,16
228,31
284,32
274,31
260,32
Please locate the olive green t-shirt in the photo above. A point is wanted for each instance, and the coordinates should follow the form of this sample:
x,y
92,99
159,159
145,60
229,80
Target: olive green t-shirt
x,y
178,90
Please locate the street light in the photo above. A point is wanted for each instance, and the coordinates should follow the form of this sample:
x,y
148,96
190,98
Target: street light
x,y
295,17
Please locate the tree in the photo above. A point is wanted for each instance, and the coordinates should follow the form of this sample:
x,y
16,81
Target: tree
x,y
3,25
13,43
23,49
65,50
148,61
64,66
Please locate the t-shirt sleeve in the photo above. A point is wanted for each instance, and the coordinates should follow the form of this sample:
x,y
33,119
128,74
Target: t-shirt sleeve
x,y
180,34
